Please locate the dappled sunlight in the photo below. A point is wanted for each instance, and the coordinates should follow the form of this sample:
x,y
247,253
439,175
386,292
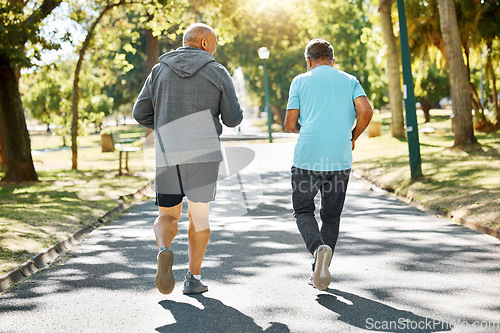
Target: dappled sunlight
x,y
391,261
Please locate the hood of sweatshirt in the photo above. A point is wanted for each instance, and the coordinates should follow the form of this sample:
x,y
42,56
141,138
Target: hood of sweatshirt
x,y
186,61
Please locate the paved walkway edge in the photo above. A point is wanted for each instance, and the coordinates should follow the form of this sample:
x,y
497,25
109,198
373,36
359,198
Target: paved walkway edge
x,y
419,205
47,257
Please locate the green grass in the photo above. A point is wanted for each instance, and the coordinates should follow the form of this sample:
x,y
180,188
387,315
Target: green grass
x,y
461,183
35,216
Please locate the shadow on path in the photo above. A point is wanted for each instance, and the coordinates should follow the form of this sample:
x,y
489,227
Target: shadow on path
x,y
406,250
377,317
215,316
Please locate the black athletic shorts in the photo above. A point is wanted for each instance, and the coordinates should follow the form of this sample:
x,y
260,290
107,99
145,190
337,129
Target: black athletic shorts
x,y
196,181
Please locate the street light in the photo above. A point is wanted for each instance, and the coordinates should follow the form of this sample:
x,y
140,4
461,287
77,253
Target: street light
x,y
264,55
409,97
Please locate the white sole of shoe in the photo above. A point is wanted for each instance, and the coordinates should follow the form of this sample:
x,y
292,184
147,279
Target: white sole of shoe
x,y
321,275
164,278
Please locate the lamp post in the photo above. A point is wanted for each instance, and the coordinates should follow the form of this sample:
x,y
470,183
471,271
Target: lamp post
x,y
409,97
264,55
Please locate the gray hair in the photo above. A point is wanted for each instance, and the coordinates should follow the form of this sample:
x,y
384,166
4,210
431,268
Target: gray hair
x,y
197,31
319,49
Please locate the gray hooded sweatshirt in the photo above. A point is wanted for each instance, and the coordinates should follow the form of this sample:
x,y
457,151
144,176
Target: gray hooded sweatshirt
x,y
184,99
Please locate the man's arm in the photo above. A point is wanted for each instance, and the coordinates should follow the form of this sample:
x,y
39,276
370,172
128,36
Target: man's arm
x,y
230,110
365,114
143,111
291,120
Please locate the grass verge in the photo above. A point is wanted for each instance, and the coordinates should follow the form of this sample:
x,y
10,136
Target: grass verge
x,y
459,183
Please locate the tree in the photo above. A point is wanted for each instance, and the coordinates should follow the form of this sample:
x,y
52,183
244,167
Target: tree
x,y
152,47
431,85
490,69
478,26
469,14
428,53
459,81
151,6
76,89
46,95
19,29
489,27
47,91
357,43
345,24
285,40
393,71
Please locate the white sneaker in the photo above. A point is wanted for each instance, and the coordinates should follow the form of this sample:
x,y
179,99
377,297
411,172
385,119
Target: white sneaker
x,y
321,276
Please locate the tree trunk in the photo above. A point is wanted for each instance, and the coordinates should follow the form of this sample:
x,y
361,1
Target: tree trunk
x,y
152,54
3,154
16,141
495,94
426,108
76,88
152,48
393,72
13,126
481,122
476,101
460,90
489,69
75,113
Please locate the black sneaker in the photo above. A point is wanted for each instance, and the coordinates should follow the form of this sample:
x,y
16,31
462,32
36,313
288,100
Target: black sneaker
x,y
321,276
193,286
164,278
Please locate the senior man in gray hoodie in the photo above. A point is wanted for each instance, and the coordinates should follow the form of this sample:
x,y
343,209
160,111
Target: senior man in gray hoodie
x,y
184,99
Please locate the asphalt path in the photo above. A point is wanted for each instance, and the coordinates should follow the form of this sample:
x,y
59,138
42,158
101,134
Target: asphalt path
x,y
396,269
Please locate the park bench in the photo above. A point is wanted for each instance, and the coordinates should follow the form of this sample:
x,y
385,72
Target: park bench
x,y
111,142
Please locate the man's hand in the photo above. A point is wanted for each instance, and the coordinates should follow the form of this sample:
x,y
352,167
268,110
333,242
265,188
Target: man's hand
x,y
353,144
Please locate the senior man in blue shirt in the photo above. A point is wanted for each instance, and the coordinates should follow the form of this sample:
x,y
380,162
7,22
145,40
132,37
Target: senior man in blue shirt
x,y
322,108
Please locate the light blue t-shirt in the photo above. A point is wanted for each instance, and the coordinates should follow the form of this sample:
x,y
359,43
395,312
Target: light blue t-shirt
x,y
325,97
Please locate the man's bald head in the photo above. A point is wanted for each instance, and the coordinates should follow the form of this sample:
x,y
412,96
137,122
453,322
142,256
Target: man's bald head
x,y
201,36
197,31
